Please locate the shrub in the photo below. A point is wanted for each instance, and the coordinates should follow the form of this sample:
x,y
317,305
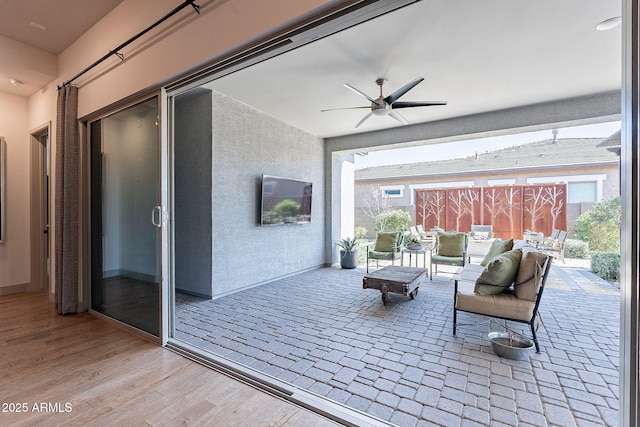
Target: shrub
x,y
360,232
606,265
576,249
600,226
396,220
287,208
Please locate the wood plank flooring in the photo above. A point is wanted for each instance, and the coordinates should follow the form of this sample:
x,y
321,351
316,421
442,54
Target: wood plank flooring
x,y
78,370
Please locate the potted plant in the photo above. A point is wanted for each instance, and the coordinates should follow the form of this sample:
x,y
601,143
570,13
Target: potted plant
x,y
348,252
413,242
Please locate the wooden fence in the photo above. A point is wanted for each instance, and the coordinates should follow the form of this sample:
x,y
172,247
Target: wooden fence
x,y
510,209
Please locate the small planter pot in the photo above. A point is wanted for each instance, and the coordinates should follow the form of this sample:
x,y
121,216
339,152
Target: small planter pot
x,y
348,259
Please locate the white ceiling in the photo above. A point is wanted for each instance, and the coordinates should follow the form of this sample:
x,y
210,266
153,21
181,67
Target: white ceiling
x,y
479,55
32,59
64,21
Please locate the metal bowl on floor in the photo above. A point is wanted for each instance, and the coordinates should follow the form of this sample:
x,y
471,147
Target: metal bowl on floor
x,y
510,345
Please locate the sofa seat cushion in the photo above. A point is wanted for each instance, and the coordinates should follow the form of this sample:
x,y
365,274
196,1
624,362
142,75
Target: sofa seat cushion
x,y
499,274
504,304
470,272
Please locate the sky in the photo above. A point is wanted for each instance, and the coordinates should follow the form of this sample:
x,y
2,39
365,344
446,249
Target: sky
x,y
461,149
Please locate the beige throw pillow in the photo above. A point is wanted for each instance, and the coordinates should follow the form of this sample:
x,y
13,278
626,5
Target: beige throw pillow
x,y
529,276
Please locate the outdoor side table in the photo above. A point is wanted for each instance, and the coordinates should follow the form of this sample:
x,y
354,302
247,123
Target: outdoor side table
x,y
417,252
395,279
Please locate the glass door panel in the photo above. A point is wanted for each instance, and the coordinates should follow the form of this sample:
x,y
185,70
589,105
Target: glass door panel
x,y
126,217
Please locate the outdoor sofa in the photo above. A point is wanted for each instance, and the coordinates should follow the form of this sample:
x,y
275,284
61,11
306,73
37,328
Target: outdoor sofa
x,y
507,284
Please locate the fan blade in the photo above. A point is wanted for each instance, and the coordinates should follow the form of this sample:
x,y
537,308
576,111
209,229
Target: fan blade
x,y
404,89
398,117
344,108
364,118
418,104
359,92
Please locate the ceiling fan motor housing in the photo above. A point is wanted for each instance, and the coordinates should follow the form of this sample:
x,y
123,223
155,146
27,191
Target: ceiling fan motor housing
x,y
380,107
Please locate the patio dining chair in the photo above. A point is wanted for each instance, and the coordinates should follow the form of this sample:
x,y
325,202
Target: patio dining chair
x,y
555,247
481,232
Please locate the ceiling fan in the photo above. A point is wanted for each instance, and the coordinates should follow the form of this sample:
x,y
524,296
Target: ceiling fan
x,y
386,106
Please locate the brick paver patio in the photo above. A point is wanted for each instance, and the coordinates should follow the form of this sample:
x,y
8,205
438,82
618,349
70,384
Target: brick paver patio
x,y
400,362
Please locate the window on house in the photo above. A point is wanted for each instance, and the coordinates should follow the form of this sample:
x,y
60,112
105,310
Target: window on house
x,y
393,190
579,192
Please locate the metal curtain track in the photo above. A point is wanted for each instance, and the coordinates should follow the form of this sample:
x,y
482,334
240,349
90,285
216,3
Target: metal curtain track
x,y
116,51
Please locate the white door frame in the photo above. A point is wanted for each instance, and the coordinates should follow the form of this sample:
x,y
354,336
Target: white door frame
x,y
40,163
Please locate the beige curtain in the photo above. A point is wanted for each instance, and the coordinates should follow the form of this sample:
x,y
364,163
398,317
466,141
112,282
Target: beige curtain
x,y
67,201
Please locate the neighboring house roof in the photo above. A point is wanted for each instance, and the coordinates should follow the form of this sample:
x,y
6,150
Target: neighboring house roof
x,y
545,154
613,143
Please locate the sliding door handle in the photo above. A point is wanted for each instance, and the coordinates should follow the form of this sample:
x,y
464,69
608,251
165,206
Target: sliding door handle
x,y
156,212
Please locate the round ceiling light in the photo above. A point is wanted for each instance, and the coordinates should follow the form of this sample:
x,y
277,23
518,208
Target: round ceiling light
x,y
16,82
609,24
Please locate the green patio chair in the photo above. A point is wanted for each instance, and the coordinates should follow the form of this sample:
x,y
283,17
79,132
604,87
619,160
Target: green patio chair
x,y
451,249
388,246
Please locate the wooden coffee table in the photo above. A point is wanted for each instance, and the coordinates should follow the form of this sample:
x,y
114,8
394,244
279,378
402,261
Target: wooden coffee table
x,y
396,279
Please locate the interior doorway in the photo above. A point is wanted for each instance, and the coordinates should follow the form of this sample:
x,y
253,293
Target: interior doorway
x,y
40,208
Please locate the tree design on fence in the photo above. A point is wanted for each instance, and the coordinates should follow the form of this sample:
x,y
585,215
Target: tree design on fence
x,y
510,210
430,208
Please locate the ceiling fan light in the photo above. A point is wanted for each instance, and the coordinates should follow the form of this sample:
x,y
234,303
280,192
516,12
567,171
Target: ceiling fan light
x,y
380,112
609,24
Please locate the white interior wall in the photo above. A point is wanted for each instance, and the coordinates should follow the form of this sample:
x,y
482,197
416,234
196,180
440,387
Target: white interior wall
x,y
14,251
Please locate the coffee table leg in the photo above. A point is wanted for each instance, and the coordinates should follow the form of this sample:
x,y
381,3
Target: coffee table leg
x,y
384,289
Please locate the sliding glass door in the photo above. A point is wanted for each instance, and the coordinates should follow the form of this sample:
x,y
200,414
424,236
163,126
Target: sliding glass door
x,y
126,217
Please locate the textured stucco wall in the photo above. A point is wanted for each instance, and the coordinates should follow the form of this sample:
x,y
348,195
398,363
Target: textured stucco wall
x,y
246,144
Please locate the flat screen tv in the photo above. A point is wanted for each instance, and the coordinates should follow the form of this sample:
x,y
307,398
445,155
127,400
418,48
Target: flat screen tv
x,y
285,201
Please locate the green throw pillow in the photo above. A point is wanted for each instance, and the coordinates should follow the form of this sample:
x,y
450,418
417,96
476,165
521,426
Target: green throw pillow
x,y
386,242
499,274
451,244
497,247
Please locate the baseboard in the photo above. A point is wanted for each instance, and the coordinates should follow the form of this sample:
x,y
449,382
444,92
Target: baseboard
x,y
131,275
14,289
195,294
273,279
